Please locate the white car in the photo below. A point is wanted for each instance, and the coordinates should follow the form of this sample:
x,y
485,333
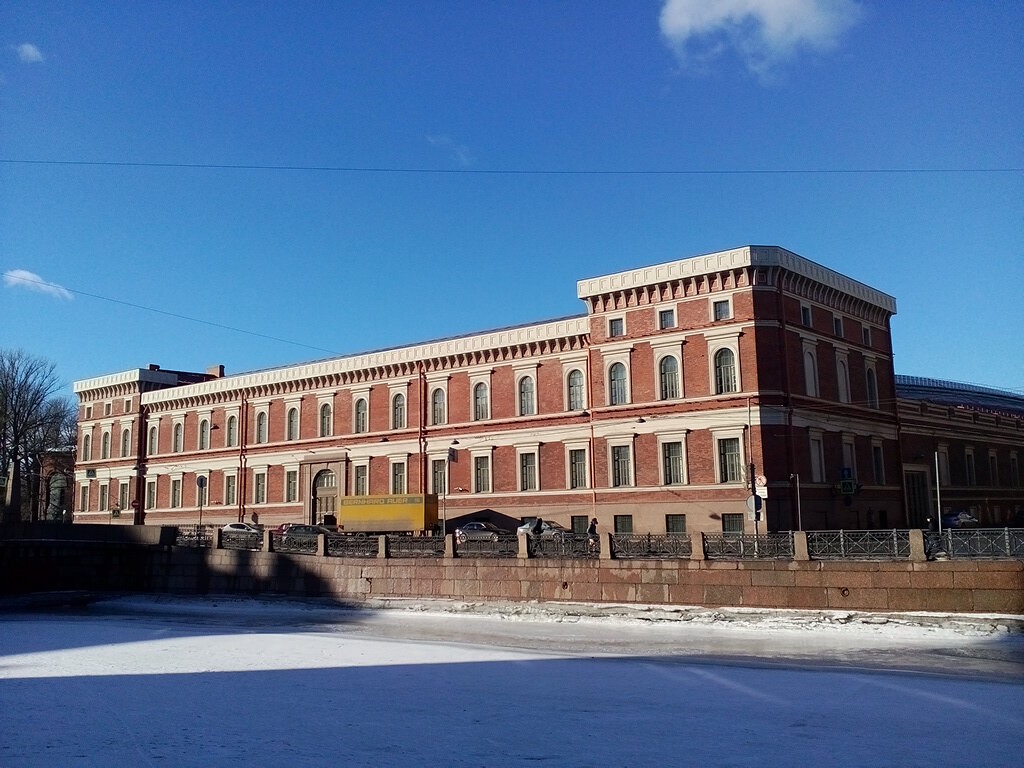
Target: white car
x,y
240,528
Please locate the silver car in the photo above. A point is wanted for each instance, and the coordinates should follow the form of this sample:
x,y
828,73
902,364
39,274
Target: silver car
x,y
477,530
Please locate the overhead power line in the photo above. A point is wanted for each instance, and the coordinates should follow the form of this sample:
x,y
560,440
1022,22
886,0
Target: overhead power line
x,y
511,171
44,283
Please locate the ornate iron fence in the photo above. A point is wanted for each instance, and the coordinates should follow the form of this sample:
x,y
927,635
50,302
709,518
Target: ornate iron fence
x,y
499,545
626,546
416,546
194,536
977,543
578,546
294,543
748,546
241,540
347,545
858,545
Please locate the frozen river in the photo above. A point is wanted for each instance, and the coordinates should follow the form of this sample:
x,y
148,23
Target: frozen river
x,y
146,682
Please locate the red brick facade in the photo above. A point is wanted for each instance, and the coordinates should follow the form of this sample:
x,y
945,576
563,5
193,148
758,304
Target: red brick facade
x,y
810,393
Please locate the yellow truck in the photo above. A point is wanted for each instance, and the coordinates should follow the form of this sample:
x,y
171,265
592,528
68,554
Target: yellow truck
x,y
407,513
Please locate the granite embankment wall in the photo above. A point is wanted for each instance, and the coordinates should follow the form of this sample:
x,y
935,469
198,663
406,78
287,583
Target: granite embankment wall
x,y
142,560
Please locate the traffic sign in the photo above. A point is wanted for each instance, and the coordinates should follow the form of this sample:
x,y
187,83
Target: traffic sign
x,y
754,503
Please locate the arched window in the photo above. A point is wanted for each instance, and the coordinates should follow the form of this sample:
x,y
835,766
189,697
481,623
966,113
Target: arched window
x,y
231,438
725,371
152,443
261,427
843,377
481,406
105,446
398,411
204,435
668,378
526,402
179,437
810,374
577,394
126,443
361,413
292,424
617,394
872,384
437,409
326,420
87,448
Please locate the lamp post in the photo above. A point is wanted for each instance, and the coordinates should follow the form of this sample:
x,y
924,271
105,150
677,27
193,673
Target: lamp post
x,y
799,520
201,485
449,457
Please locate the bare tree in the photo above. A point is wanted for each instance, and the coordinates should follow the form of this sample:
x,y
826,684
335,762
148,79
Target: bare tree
x,y
32,419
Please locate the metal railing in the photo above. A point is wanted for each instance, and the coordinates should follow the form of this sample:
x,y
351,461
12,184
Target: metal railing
x,y
194,536
577,546
498,545
627,546
858,545
976,543
748,546
415,546
345,545
294,543
241,540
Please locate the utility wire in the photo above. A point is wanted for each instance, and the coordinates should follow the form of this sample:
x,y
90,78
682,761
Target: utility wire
x,y
176,315
511,171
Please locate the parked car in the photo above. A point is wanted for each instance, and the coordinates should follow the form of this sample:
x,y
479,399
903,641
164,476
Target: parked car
x,y
548,529
961,519
240,528
301,531
479,530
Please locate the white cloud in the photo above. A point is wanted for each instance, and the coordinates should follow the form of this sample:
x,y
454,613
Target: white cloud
x,y
461,152
763,32
28,53
21,278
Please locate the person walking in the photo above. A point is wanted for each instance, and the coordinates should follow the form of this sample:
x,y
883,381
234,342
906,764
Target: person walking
x,y
592,540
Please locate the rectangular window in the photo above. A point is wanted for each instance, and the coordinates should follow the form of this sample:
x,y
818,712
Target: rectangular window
x,y
230,489
398,477
528,471
805,315
83,498
360,484
88,411
1014,471
817,460
729,460
103,497
128,405
621,475
260,488
866,335
943,466
721,310
624,524
122,496
616,327
175,493
878,464
150,494
291,485
201,495
993,469
437,476
675,525
481,474
849,460
579,523
666,319
732,523
972,478
672,463
577,468
837,326
107,408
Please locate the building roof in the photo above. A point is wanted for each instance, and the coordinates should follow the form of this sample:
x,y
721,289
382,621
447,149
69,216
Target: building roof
x,y
960,395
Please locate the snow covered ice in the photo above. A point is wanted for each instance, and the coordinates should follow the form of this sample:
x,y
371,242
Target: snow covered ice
x,y
210,682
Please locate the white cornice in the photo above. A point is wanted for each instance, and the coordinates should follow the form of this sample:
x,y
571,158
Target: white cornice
x,y
737,258
125,377
527,334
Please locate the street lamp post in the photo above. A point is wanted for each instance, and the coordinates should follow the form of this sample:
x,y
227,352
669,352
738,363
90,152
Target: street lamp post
x,y
201,485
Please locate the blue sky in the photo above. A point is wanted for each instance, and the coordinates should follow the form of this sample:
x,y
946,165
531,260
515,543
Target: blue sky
x,y
431,97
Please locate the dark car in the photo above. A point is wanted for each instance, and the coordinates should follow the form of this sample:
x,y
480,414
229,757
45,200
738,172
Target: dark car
x,y
548,529
301,531
479,530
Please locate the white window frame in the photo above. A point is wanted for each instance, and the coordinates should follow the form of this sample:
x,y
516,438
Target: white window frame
x,y
175,500
231,437
843,376
943,451
621,318
670,313
731,433
292,427
153,439
150,500
658,359
521,378
361,466
486,454
811,381
664,439
229,493
621,442
325,428
806,315
438,419
290,492
178,435
105,442
837,326
849,444
970,467
715,345
398,418
393,463
871,384
259,489
568,389
611,359
727,300
993,467
264,413
528,449
816,452
878,461
203,434
577,445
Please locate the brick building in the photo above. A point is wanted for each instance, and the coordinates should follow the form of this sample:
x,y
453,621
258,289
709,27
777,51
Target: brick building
x,y
683,388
